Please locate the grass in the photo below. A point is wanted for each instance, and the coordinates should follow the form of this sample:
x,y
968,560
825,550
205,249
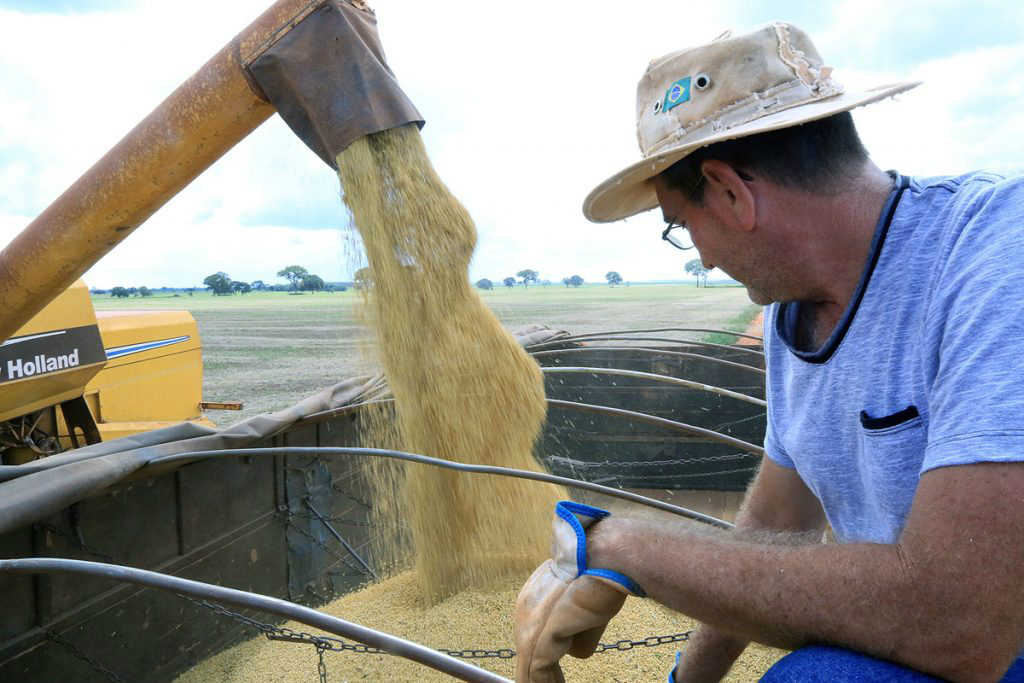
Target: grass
x,y
739,323
271,349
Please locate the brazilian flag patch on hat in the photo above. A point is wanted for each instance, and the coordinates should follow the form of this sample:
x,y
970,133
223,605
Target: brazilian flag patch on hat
x,y
676,94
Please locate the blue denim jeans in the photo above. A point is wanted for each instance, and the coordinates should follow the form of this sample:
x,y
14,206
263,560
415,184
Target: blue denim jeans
x,y
823,664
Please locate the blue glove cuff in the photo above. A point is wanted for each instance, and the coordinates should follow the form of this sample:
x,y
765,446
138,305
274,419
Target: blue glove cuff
x,y
570,512
672,673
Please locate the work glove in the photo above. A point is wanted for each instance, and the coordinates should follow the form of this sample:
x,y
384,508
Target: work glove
x,y
565,605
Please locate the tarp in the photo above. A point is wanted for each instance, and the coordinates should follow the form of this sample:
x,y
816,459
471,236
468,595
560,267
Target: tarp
x,y
38,489
538,334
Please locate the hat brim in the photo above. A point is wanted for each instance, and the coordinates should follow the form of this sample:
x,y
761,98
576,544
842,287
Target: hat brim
x,y
631,191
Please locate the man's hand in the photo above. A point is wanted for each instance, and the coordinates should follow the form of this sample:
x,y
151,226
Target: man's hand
x,y
565,605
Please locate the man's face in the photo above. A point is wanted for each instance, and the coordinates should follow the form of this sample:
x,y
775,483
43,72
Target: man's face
x,y
739,253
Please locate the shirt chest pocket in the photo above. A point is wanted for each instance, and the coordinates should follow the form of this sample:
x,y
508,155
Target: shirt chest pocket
x,y
892,450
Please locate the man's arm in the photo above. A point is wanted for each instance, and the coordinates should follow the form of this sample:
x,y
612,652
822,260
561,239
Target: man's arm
x,y
777,501
946,599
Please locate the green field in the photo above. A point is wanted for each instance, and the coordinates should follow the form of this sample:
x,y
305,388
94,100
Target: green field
x,y
271,349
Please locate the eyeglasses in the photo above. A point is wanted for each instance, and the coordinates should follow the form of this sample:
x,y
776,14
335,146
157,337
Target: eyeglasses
x,y
677,240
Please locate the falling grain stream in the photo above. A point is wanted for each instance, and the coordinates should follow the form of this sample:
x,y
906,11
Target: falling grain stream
x,y
464,390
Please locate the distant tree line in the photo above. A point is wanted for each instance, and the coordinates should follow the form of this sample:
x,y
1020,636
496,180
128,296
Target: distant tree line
x,y
572,281
125,292
528,276
221,284
299,280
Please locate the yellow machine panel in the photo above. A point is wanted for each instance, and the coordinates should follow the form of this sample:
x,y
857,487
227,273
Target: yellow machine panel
x,y
154,372
71,376
52,357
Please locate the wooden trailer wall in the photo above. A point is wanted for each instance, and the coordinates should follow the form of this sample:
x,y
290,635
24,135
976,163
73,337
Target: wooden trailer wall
x,y
246,522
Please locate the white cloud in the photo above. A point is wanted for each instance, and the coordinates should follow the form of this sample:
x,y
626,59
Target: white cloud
x,y
964,116
528,107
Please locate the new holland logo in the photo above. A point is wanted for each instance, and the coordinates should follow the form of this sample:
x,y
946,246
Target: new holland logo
x,y
19,367
30,356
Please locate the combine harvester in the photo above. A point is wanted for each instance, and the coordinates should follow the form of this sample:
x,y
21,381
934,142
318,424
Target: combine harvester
x,y
138,539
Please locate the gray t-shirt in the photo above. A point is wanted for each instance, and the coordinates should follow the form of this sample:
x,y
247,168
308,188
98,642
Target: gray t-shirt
x,y
925,368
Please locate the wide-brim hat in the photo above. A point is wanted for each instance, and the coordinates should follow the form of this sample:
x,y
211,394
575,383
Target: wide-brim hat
x,y
730,88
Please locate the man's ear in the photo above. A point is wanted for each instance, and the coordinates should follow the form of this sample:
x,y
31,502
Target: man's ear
x,y
728,196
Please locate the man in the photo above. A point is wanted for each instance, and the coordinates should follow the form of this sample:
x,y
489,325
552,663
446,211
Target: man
x,y
896,397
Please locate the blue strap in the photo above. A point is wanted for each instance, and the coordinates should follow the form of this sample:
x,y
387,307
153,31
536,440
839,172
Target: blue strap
x,y
570,511
621,579
672,673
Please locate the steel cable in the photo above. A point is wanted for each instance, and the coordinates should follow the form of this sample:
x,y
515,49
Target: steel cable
x,y
665,329
659,352
684,342
450,465
654,420
386,642
654,377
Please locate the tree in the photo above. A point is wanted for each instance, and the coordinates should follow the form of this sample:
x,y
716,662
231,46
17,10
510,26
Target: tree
x,y
293,274
311,283
119,293
509,282
219,283
133,291
613,278
545,283
528,276
484,283
144,292
362,278
241,287
258,285
696,268
565,281
575,281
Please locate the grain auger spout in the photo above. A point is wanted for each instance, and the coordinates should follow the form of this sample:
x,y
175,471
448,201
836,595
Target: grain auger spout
x,y
318,63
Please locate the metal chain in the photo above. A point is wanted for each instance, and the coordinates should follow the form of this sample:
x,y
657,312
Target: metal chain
x,y
341,520
326,643
79,544
56,637
96,666
741,420
326,548
581,465
650,641
351,496
344,520
635,477
504,653
332,644
321,667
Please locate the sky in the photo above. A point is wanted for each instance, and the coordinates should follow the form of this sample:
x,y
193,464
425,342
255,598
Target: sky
x,y
528,107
